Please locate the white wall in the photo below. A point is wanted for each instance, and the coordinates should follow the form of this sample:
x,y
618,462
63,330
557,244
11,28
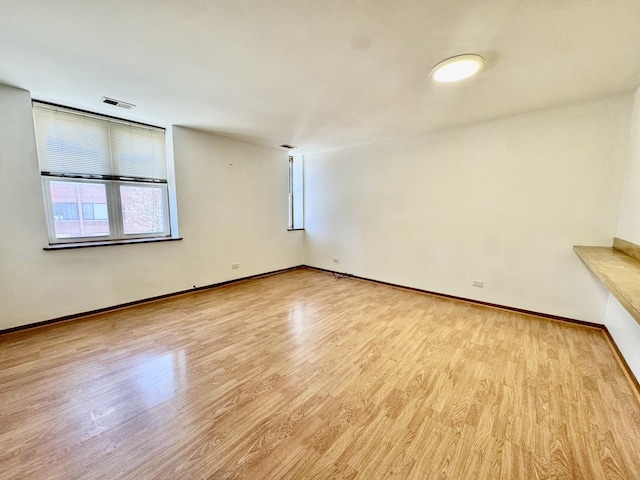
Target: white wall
x,y
232,200
625,332
629,221
502,202
623,327
233,207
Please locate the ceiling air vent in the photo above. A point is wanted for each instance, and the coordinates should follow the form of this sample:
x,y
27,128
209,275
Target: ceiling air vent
x,y
117,103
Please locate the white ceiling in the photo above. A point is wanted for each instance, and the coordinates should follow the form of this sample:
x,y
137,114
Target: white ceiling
x,y
320,74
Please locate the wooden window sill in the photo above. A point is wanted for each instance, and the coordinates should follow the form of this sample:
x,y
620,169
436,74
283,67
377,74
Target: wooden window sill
x,y
618,268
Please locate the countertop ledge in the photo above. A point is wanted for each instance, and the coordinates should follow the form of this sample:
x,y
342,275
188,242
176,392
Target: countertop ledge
x,y
618,268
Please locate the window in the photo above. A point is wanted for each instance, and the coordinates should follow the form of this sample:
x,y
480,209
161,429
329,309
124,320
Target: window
x,y
94,211
104,179
65,211
296,193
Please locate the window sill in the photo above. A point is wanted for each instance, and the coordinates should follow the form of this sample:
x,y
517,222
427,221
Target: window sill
x,y
294,229
618,268
67,246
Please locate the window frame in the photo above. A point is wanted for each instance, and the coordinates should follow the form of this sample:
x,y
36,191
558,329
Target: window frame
x,y
114,208
165,210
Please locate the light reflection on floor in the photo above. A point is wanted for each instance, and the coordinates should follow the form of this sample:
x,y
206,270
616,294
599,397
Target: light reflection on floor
x,y
297,324
160,378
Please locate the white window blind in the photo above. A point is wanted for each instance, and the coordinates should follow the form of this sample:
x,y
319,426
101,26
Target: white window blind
x,y
82,145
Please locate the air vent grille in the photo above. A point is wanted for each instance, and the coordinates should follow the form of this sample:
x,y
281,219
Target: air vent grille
x,y
117,103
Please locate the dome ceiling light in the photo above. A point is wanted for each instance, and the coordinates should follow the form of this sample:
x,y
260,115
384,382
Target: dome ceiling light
x,y
457,68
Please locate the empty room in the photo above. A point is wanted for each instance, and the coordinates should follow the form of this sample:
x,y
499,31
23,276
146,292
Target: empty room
x,y
319,239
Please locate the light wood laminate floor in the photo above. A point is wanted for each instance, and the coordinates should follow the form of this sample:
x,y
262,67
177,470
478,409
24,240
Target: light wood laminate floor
x,y
304,376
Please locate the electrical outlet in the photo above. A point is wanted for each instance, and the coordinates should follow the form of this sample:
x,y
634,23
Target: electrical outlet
x,y
235,265
478,283
336,260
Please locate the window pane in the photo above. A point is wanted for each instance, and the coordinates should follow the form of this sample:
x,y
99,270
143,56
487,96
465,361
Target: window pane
x,y
296,192
87,211
142,209
95,211
68,198
100,211
65,211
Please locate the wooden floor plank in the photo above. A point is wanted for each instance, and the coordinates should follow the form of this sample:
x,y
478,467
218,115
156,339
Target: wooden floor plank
x,y
303,375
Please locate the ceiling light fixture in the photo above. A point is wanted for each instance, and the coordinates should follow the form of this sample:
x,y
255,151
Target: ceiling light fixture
x,y
457,68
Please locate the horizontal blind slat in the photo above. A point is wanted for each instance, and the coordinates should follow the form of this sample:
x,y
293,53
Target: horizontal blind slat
x,y
70,143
